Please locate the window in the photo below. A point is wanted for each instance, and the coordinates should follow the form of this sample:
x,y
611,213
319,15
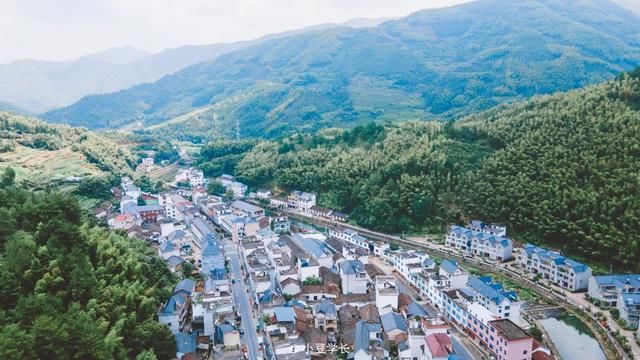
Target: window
x,y
524,352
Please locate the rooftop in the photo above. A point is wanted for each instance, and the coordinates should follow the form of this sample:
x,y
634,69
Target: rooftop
x,y
509,330
492,291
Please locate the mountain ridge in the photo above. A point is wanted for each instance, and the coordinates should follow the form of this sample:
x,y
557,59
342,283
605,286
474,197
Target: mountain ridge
x,y
436,63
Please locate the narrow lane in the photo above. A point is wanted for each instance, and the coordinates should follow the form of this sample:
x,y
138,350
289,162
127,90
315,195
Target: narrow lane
x,y
241,299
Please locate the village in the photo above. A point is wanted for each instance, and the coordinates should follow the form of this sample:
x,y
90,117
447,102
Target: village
x,y
259,283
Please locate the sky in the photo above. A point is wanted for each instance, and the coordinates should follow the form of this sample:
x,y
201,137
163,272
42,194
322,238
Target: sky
x,y
67,29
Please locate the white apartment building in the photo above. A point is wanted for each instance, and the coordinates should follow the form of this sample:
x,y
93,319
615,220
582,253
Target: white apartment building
x,y
301,201
386,292
479,243
554,267
354,277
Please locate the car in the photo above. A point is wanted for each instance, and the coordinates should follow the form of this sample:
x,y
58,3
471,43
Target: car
x,y
241,331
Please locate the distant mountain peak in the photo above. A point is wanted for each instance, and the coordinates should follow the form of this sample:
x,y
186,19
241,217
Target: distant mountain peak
x,y
119,55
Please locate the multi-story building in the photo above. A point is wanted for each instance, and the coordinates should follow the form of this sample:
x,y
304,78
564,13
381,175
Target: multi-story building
x,y
629,307
249,209
351,236
479,243
554,267
354,277
325,316
301,201
507,341
493,297
386,292
608,288
280,223
457,277
491,229
239,227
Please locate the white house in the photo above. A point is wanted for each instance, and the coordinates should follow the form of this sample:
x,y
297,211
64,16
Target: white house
x,y
479,243
386,292
554,267
457,276
607,288
354,277
301,201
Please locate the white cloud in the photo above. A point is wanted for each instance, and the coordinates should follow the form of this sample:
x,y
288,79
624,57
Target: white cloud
x,y
66,29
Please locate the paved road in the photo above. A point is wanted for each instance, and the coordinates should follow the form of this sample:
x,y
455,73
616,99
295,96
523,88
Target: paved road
x,y
461,342
241,299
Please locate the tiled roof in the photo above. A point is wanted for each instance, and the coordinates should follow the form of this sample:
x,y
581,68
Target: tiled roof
x,y
186,285
362,336
326,307
555,257
284,314
351,267
492,291
392,320
469,234
449,266
439,344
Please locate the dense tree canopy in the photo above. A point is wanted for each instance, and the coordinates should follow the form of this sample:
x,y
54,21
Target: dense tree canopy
x,y
560,170
71,291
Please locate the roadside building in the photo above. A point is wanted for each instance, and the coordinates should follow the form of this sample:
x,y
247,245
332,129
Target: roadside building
x,y
554,267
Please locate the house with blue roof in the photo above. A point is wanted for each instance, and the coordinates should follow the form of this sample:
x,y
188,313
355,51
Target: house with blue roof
x,y
368,342
168,249
479,243
608,288
226,335
456,276
212,255
629,307
315,247
554,267
393,324
186,343
325,316
492,296
174,311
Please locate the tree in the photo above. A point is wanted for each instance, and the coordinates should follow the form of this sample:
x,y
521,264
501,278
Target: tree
x,y
15,343
8,177
229,195
312,280
536,333
144,183
215,188
159,187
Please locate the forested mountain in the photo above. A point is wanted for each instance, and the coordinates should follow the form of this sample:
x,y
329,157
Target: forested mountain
x,y
560,170
71,291
42,153
433,63
39,86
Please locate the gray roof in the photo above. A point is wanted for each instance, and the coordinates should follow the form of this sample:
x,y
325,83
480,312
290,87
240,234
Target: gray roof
x,y
362,336
167,246
352,267
245,206
174,260
284,314
187,285
392,321
326,307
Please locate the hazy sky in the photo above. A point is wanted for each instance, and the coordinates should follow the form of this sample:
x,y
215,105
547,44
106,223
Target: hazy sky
x,y
66,29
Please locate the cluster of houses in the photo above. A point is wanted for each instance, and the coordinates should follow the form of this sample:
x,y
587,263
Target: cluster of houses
x,y
621,291
321,297
479,306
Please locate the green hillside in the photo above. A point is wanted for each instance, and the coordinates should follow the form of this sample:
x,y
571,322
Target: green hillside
x,y
43,153
561,170
432,64
71,291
